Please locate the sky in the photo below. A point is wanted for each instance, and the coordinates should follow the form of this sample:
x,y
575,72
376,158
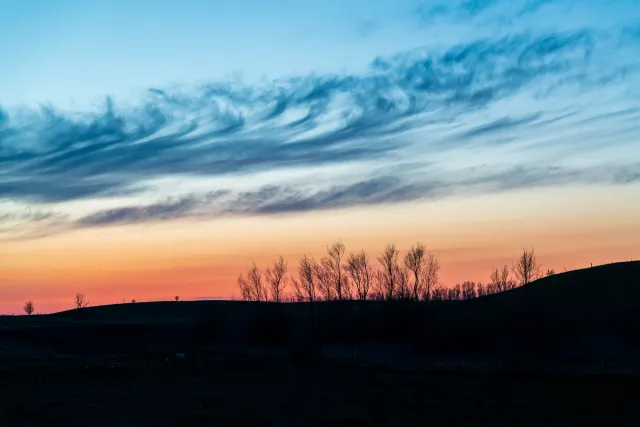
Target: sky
x,y
156,148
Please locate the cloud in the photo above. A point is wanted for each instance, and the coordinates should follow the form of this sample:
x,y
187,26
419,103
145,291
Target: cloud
x,y
372,191
230,128
428,11
167,209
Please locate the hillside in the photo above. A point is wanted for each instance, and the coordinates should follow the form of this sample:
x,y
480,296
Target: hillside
x,y
589,313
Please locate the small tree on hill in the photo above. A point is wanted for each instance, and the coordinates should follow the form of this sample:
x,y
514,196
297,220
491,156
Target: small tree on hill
x,y
80,301
275,278
252,288
469,290
332,265
414,260
526,269
29,308
389,261
361,272
305,285
403,288
500,280
430,275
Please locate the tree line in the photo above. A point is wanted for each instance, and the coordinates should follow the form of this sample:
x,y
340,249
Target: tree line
x,y
338,276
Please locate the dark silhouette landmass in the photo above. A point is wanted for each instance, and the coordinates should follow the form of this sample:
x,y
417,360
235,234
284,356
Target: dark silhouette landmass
x,y
560,350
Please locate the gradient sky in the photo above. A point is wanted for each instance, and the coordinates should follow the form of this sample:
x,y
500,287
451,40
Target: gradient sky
x,y
155,148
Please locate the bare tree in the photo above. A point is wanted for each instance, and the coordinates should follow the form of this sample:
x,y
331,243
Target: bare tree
x,y
252,288
275,278
403,290
29,308
361,273
501,281
334,262
491,289
438,293
526,269
389,260
414,260
332,282
379,286
254,277
80,302
480,290
550,272
454,293
324,281
305,285
469,290
430,275
245,289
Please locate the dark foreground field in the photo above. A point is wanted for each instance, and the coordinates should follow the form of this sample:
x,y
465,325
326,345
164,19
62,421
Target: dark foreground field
x,y
261,392
544,354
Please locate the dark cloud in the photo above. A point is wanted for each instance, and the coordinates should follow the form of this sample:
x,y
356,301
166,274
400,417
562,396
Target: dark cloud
x,y
49,155
385,189
501,124
165,210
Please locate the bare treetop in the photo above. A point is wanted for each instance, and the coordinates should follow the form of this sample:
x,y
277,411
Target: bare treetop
x,y
389,260
305,286
80,301
526,269
275,278
29,308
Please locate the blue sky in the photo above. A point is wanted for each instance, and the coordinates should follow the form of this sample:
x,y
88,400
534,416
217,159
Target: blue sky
x,y
114,112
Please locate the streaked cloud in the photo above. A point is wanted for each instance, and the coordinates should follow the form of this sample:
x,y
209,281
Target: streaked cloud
x,y
499,112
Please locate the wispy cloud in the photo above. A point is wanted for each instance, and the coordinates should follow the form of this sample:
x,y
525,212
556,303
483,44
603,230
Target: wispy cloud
x,y
514,93
381,190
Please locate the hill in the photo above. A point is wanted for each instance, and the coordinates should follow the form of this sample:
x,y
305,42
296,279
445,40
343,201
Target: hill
x,y
587,314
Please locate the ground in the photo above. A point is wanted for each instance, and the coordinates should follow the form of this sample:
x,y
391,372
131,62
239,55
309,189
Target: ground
x,y
260,392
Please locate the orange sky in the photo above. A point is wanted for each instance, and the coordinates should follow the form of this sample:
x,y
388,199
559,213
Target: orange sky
x,y
570,227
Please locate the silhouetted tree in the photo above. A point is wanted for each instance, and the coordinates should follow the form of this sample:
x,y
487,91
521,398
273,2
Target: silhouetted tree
x,y
402,289
275,278
379,286
80,302
550,272
430,275
29,308
414,260
526,269
388,260
361,273
454,293
323,279
468,290
333,265
252,288
480,290
177,298
305,285
500,280
245,289
438,293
